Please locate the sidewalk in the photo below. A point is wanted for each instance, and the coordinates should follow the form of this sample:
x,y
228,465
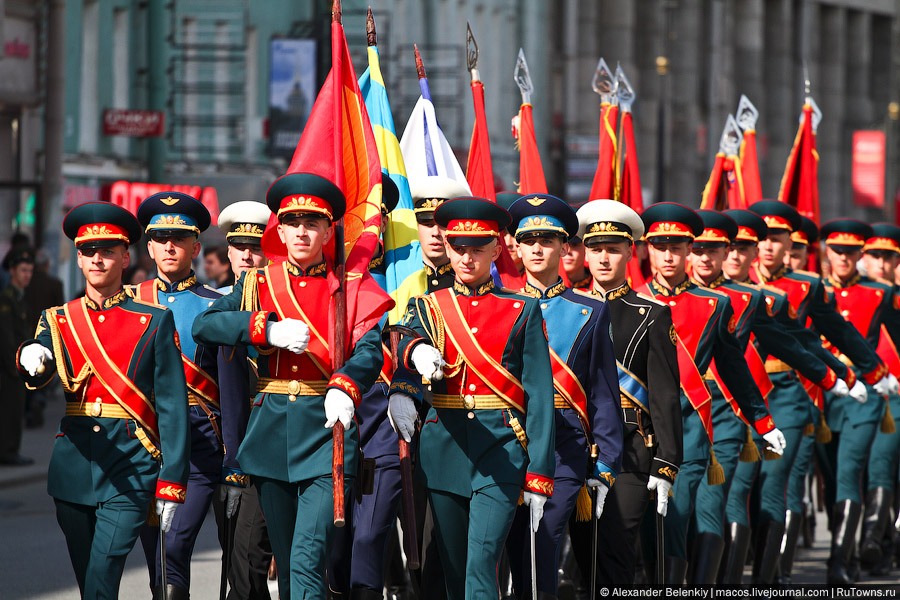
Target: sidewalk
x,y
36,444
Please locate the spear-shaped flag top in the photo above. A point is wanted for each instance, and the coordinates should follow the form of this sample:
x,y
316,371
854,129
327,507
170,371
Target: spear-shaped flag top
x,y
479,167
800,183
604,84
338,145
531,172
746,117
630,179
724,188
402,252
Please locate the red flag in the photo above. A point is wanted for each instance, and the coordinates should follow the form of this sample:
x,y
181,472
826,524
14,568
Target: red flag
x,y
339,145
750,168
531,172
800,183
604,185
631,194
480,175
724,189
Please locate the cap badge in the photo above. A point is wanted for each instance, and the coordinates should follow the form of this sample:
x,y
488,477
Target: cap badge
x,y
169,200
535,201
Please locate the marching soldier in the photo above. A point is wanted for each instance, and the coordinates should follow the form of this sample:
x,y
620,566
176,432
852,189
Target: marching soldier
x,y
125,433
243,224
866,304
588,426
704,324
489,433
776,333
881,254
647,366
286,311
217,406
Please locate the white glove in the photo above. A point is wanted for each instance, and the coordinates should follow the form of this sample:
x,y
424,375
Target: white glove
x,y
840,389
289,334
775,440
886,385
232,500
428,362
166,511
602,492
536,503
32,358
403,415
859,392
338,407
662,488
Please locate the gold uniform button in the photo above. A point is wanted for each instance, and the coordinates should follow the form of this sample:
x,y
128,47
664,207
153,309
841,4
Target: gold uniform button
x,y
470,414
474,302
642,310
845,313
262,279
671,303
471,387
543,306
584,311
171,298
474,330
294,368
101,318
517,304
96,429
434,282
143,320
302,284
844,294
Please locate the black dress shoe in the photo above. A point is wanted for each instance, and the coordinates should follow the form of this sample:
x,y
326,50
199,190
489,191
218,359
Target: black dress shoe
x,y
16,460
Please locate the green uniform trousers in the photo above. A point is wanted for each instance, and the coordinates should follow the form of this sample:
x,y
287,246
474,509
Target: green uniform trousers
x,y
853,427
471,533
300,520
883,459
796,487
710,509
684,492
99,538
737,507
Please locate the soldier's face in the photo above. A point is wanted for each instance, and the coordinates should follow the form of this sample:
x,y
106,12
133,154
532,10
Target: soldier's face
x,y
773,248
245,256
103,267
843,261
707,262
540,255
668,259
740,259
472,264
573,260
173,254
880,264
512,248
608,263
796,258
305,236
431,239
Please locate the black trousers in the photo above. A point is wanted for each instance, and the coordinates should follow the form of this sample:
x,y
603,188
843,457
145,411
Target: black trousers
x,y
619,529
250,549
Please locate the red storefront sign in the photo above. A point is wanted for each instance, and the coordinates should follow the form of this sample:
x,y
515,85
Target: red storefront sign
x,y
134,123
868,164
129,195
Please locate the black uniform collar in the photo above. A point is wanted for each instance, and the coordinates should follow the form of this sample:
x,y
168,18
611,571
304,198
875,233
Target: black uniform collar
x,y
114,300
442,270
177,286
836,283
777,274
611,294
714,283
464,290
313,271
554,290
662,290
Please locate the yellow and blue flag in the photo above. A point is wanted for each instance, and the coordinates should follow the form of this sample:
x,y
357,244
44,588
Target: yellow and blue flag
x,y
402,252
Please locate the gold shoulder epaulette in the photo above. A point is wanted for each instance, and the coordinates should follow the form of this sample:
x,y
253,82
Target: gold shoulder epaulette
x,y
650,298
137,300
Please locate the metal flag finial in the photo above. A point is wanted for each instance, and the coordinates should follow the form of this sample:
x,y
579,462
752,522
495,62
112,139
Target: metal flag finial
x,y
747,114
471,53
420,66
624,91
523,77
807,88
371,37
603,82
730,142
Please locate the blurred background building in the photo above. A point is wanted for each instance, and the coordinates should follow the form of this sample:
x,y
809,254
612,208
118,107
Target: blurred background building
x,y
102,99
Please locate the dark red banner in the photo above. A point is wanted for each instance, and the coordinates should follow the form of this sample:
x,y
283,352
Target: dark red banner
x,y
867,173
134,123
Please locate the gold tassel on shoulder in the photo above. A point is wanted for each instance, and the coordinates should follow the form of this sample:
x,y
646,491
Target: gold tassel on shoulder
x,y
823,432
887,421
715,474
583,505
749,451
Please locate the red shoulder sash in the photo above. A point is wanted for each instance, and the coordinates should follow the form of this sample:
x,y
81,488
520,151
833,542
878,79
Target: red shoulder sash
x,y
197,380
569,387
492,373
122,389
